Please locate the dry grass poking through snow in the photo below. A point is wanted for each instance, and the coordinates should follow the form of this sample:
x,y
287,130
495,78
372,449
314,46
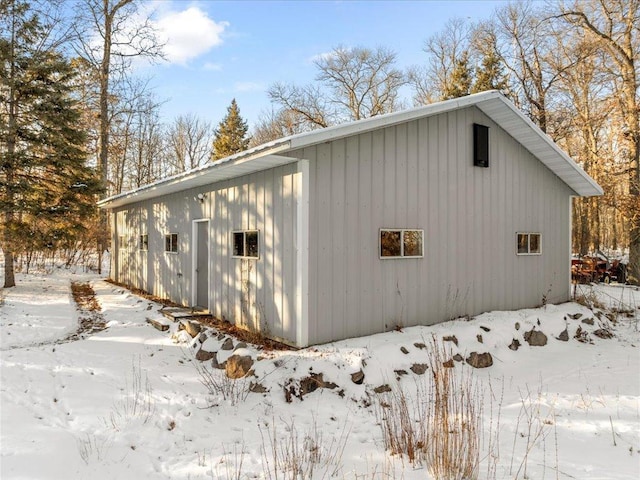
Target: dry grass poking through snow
x,y
442,427
453,421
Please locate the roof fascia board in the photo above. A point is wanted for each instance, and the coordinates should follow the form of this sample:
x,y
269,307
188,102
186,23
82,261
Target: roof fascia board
x,y
596,189
381,121
184,177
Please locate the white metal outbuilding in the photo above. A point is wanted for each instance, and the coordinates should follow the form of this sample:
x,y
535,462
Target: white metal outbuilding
x,y
359,228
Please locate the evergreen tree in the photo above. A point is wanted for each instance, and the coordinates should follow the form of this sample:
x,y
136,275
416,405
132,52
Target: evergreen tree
x,y
231,134
46,189
489,75
459,82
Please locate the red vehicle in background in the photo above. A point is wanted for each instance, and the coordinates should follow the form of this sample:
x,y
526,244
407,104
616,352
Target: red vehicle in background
x,y
598,268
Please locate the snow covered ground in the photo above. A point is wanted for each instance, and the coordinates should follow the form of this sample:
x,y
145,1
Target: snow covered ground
x,y
128,402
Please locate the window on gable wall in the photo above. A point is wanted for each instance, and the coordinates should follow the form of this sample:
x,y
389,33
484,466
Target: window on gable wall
x,y
171,243
529,244
246,244
401,243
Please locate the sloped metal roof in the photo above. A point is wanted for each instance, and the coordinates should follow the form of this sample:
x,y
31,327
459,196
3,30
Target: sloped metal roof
x,y
492,103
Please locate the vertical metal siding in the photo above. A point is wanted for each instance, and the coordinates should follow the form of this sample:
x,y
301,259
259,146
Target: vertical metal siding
x,y
421,175
258,294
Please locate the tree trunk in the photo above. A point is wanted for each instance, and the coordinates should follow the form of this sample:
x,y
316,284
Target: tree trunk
x,y
9,276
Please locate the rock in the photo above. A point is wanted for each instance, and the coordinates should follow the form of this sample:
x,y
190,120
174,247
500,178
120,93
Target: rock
x,y
448,363
220,336
515,345
517,325
479,338
357,377
420,345
535,338
404,350
582,335
486,329
215,363
192,328
203,355
450,338
480,360
228,344
575,316
564,336
588,321
400,373
240,345
458,358
257,388
419,368
603,333
313,382
382,389
238,366
203,337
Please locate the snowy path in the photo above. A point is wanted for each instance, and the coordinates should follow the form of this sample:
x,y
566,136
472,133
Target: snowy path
x,y
38,310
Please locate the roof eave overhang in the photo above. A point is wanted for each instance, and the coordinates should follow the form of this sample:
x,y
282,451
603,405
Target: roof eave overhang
x,y
225,169
492,103
540,145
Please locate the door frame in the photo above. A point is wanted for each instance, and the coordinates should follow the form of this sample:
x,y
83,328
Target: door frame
x,y
194,261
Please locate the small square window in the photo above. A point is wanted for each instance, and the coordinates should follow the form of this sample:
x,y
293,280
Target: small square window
x,y
251,240
534,243
238,244
143,242
529,244
390,244
401,243
171,243
246,244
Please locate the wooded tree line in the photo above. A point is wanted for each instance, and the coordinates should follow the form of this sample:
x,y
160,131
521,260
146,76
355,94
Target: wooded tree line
x,y
571,67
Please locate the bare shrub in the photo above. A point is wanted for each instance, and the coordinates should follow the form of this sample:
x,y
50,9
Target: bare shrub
x,y
219,385
442,427
533,426
232,462
587,297
91,447
454,420
296,456
403,422
136,400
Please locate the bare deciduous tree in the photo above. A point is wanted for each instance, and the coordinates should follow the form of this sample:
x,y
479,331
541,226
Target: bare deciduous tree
x,y
528,46
445,52
189,143
614,26
272,125
109,34
354,83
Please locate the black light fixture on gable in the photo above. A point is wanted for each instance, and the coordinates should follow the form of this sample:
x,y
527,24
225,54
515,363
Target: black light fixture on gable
x,y
480,145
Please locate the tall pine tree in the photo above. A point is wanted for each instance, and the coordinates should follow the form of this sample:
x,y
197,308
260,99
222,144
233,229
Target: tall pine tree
x,y
459,82
231,134
47,192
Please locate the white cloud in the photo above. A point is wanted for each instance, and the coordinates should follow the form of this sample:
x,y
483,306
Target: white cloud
x,y
188,34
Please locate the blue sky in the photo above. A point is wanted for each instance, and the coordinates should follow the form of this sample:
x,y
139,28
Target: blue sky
x,y
219,50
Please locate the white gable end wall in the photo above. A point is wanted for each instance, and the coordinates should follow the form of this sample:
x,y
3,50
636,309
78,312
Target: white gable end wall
x,y
420,175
